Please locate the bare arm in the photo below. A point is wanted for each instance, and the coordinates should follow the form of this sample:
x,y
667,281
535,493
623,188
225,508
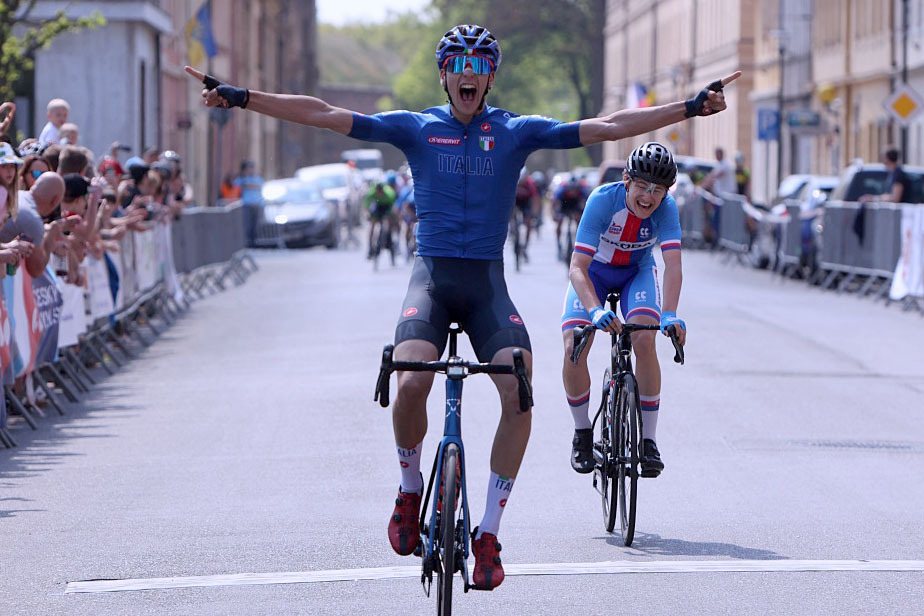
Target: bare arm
x,y
673,280
632,122
306,110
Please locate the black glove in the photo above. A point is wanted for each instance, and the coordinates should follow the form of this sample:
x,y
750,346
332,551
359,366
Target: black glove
x,y
235,97
695,105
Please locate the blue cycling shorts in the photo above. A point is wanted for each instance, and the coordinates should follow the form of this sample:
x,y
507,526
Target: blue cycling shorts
x,y
638,287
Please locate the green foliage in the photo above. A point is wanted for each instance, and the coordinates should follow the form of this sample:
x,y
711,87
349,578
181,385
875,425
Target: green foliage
x,y
17,54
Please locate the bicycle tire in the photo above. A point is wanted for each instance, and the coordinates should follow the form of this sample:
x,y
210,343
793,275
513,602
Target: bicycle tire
x,y
609,455
628,469
569,244
447,531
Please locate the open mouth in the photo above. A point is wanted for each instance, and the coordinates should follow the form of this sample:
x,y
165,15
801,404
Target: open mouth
x,y
467,93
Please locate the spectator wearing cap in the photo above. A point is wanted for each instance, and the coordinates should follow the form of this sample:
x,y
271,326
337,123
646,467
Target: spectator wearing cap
x,y
33,167
112,173
179,191
898,184
57,111
130,188
9,180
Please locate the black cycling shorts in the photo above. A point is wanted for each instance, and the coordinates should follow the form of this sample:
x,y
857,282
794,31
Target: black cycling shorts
x,y
470,292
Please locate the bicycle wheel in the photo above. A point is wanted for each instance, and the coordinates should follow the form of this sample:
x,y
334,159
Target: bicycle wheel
x,y
627,470
606,467
447,531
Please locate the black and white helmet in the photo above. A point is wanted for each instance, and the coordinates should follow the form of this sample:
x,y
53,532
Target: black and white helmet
x,y
653,163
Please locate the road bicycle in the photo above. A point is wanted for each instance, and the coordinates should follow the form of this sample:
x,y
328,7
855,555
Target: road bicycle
x,y
517,233
618,425
383,239
445,537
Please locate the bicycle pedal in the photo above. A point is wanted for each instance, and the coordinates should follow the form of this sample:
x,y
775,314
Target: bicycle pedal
x,y
473,587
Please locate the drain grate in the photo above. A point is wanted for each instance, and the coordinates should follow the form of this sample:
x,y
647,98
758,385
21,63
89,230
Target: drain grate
x,y
829,444
849,444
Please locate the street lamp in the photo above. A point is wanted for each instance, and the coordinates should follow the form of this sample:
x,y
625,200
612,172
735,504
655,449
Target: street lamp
x,y
781,37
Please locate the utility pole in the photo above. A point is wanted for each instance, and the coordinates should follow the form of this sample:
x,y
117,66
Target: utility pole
x,y
904,129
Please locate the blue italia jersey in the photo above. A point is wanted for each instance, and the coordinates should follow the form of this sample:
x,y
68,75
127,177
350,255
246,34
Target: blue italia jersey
x,y
614,236
465,176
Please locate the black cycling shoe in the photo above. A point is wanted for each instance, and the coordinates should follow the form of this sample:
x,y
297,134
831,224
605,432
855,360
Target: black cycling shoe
x,y
582,451
650,459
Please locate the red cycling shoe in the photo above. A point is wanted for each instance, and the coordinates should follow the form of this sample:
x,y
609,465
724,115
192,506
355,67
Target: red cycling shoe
x,y
404,526
489,572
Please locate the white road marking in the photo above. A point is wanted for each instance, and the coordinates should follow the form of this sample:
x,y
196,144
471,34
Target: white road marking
x,y
394,573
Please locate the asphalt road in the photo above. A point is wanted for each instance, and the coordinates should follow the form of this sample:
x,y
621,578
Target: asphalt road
x,y
245,441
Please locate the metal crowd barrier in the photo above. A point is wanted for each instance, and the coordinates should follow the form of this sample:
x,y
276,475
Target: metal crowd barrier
x,y
733,231
693,221
860,252
207,248
791,255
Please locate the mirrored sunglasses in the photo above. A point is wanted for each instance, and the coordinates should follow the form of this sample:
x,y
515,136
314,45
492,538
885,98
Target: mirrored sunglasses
x,y
36,173
479,64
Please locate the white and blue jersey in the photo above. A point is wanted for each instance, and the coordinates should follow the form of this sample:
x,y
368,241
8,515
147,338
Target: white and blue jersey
x,y
622,245
465,176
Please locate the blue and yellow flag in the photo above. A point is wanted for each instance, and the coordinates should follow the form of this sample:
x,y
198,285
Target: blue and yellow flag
x,y
200,42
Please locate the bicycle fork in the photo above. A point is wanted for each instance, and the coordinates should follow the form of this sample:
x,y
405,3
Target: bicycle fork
x,y
452,435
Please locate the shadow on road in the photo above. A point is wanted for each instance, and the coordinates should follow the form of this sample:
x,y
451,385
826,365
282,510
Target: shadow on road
x,y
656,545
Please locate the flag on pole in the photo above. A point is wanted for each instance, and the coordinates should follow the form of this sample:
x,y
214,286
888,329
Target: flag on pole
x,y
200,42
637,95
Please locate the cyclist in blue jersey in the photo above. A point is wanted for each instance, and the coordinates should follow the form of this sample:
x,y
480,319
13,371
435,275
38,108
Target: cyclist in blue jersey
x,y
465,157
621,225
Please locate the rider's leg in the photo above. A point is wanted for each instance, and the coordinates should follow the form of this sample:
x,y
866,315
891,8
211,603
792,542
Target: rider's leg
x,y
648,374
409,413
576,379
372,224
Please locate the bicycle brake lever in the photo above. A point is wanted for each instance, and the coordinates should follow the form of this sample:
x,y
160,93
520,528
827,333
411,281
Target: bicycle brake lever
x,y
382,384
580,341
525,391
678,348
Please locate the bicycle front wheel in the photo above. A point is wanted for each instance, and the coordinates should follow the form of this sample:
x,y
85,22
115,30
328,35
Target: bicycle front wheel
x,y
628,469
607,462
447,531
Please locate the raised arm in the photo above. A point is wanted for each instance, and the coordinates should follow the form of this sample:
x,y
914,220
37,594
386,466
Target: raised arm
x,y
632,122
306,110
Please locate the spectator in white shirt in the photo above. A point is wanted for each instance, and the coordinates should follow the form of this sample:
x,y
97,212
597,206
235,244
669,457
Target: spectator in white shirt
x,y
57,112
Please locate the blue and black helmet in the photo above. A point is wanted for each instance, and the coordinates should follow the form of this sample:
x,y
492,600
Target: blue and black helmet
x,y
468,39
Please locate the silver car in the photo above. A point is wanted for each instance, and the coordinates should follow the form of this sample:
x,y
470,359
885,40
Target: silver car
x,y
295,213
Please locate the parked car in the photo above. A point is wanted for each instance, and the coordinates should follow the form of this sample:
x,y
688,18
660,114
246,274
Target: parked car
x,y
295,213
610,170
861,179
340,184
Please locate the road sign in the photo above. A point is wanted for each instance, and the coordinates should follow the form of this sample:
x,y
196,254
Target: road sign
x,y
768,124
803,118
904,104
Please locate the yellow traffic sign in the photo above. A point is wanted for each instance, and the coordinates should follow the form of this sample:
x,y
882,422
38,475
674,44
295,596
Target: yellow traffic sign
x,y
904,104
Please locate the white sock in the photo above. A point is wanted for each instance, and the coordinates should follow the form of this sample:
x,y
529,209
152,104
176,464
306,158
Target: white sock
x,y
498,493
650,406
579,406
409,459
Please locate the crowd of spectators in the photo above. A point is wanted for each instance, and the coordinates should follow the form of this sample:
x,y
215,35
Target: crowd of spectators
x,y
62,201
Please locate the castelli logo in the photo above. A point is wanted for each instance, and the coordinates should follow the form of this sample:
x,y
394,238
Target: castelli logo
x,y
486,127
515,318
503,502
404,464
410,312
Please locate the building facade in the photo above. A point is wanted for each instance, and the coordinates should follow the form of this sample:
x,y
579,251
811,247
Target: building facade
x,y
838,62
125,82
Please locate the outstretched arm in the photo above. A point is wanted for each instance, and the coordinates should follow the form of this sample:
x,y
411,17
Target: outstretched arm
x,y
632,122
305,110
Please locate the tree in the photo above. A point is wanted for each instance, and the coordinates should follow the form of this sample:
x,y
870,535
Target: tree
x,y
561,38
17,53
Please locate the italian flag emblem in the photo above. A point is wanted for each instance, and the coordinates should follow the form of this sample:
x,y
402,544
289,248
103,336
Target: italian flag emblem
x,y
486,143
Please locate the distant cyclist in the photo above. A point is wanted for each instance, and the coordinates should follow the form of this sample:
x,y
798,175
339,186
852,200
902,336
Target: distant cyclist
x,y
380,201
568,203
407,209
621,225
527,202
466,157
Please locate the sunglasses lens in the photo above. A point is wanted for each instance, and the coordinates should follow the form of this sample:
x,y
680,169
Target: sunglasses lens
x,y
480,66
36,173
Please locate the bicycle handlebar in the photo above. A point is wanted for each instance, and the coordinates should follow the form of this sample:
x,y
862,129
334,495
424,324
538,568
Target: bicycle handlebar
x,y
582,337
465,368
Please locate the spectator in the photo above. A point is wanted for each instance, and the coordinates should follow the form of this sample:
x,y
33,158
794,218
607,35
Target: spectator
x,y
742,176
251,186
73,159
57,112
179,190
9,189
897,184
10,110
33,166
70,134
27,226
111,172
230,192
150,155
51,155
722,179
131,188
45,196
